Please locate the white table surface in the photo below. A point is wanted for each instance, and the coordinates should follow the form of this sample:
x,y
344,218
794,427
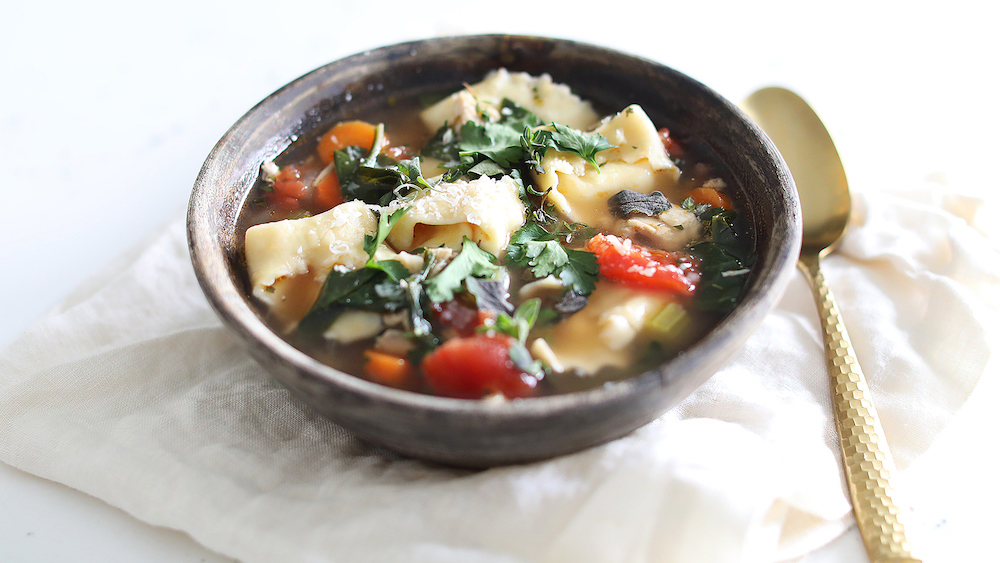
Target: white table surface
x,y
108,109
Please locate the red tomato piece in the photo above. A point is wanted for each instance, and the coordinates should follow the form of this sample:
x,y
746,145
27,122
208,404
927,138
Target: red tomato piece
x,y
471,367
288,183
626,262
672,147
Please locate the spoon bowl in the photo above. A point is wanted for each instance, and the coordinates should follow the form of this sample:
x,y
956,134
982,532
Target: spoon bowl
x,y
813,161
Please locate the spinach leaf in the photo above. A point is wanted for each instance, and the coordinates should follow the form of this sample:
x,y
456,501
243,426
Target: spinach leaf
x,y
367,289
360,181
443,146
726,261
386,221
376,178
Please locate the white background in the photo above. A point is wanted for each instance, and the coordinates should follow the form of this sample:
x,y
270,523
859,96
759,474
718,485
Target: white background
x,y
108,109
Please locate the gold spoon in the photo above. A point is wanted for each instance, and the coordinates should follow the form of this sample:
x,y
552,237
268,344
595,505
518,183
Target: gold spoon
x,y
812,158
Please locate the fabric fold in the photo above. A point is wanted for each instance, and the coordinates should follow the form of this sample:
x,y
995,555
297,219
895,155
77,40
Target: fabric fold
x,y
132,391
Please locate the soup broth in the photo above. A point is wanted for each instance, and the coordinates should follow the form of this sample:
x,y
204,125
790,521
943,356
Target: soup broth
x,y
507,241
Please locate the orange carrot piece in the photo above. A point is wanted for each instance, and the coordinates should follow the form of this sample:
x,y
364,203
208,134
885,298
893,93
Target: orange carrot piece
x,y
345,134
387,368
711,197
328,193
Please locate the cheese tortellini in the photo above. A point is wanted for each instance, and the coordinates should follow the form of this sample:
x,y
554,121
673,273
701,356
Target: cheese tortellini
x,y
289,260
605,333
638,163
486,210
548,100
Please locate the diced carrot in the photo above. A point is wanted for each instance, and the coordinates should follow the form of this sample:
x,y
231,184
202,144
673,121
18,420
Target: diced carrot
x,y
328,192
346,134
387,368
711,197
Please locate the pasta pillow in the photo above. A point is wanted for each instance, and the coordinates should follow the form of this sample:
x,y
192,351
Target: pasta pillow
x,y
639,162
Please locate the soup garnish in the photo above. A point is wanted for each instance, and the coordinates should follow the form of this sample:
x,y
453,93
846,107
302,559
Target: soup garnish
x,y
505,242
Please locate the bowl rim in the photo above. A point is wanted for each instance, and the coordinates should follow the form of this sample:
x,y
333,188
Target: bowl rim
x,y
236,311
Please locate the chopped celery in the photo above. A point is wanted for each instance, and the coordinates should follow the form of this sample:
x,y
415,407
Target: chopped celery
x,y
671,326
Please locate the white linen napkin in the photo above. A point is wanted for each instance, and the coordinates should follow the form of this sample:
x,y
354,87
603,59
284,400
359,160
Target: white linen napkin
x,y
133,392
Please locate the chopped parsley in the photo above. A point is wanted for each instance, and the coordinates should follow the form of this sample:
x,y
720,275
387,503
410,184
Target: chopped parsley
x,y
518,140
472,261
541,251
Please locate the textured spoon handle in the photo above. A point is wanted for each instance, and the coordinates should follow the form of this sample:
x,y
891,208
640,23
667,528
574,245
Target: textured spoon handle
x,y
868,464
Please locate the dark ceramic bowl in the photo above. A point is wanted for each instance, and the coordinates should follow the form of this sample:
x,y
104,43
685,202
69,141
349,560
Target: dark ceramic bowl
x,y
465,432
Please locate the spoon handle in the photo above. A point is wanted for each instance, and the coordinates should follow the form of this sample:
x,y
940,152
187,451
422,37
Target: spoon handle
x,y
868,464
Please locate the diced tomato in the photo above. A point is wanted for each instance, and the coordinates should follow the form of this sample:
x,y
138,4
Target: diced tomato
x,y
471,367
626,262
673,148
711,197
289,184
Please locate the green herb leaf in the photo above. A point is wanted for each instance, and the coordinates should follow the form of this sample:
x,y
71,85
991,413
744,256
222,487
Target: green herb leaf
x,y
386,221
580,273
495,141
582,144
699,209
512,142
726,261
369,289
533,247
519,326
522,358
471,261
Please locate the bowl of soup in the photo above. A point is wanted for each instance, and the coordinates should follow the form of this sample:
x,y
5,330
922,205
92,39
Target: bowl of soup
x,y
493,249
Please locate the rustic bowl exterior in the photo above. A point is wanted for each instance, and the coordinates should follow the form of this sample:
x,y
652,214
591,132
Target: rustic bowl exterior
x,y
474,433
